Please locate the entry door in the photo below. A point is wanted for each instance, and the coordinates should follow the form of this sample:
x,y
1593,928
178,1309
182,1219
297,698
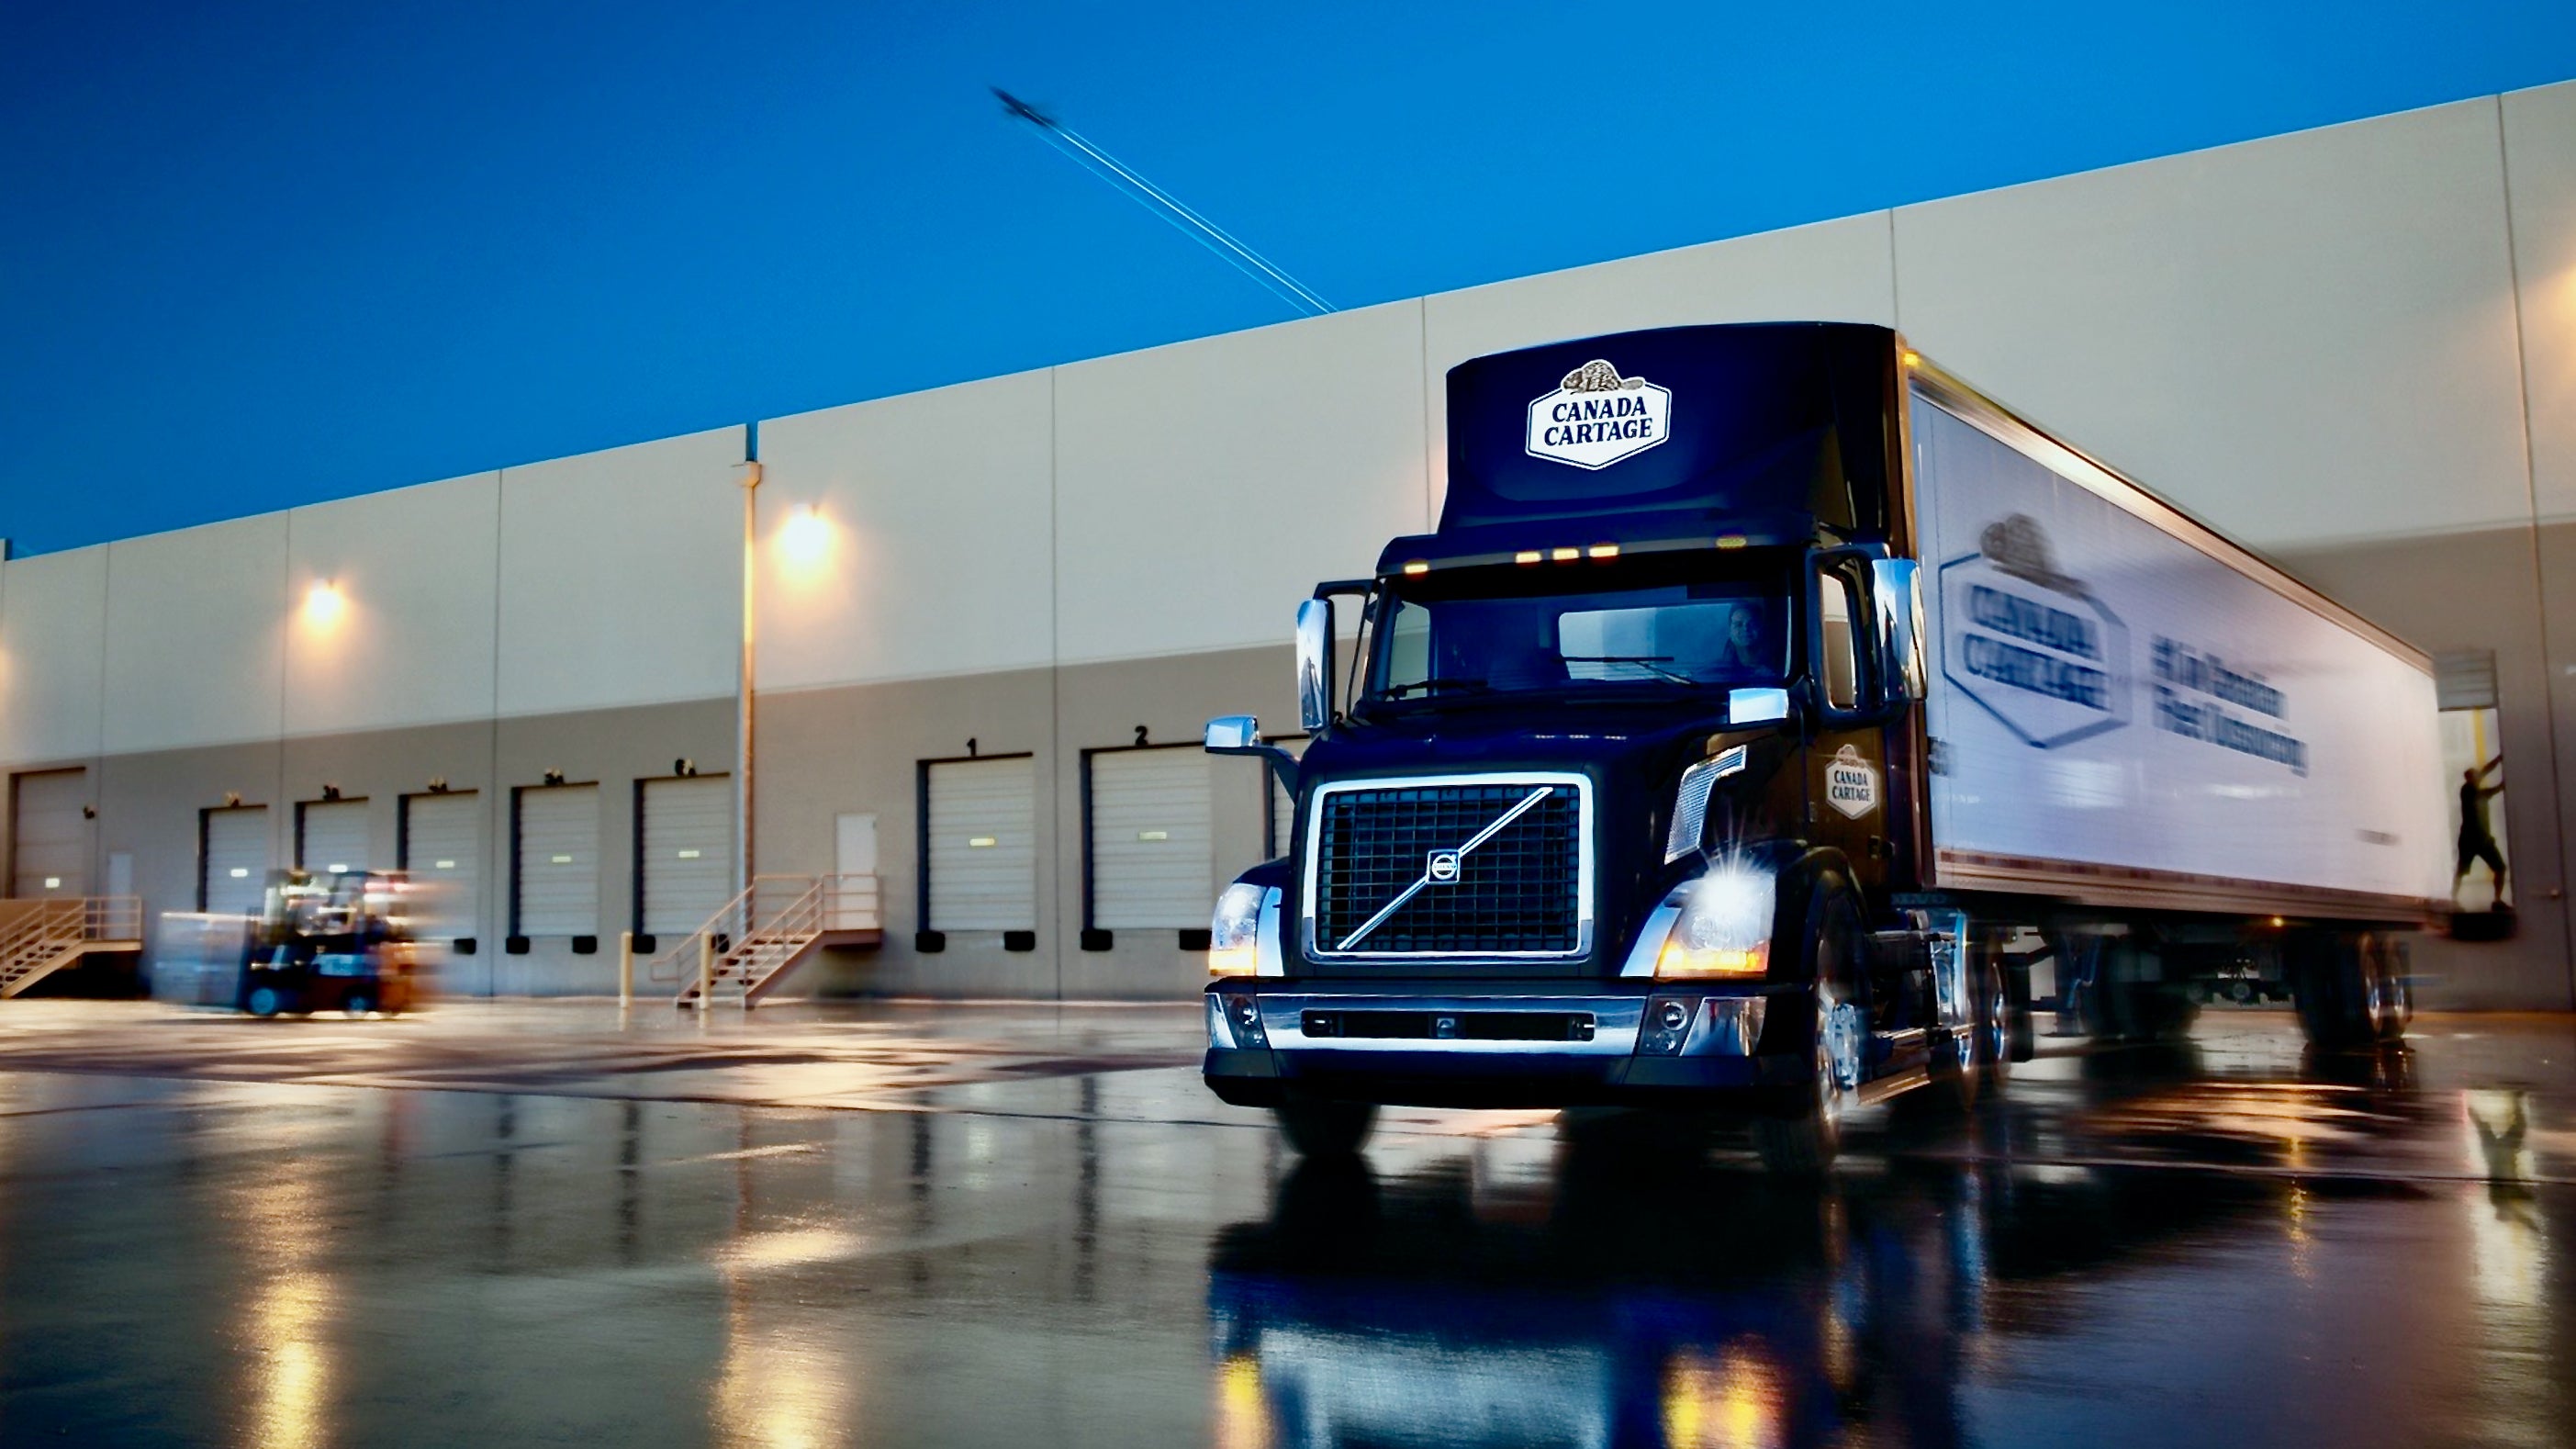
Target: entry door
x,y
557,889
983,845
687,852
49,834
854,857
442,849
331,835
1153,841
232,872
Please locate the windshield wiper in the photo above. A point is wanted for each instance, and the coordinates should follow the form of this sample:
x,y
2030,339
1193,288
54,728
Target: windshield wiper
x,y
1654,662
1399,691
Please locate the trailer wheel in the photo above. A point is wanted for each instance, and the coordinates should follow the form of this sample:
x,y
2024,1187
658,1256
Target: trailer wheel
x,y
2392,991
1323,1131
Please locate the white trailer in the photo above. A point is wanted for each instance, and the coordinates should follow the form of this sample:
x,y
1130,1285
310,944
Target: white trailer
x,y
2127,711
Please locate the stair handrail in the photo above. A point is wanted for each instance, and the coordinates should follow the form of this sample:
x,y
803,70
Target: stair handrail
x,y
33,928
742,919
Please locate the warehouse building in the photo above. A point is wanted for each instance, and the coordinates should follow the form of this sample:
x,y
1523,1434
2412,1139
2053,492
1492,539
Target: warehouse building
x,y
987,621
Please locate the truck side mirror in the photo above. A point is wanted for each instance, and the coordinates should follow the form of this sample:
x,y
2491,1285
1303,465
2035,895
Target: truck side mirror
x,y
1896,601
1315,664
1240,734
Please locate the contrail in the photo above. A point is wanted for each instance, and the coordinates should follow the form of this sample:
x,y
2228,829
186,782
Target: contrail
x,y
1170,208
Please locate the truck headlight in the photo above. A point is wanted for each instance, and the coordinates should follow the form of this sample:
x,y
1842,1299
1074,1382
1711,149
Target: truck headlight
x,y
1234,932
1724,929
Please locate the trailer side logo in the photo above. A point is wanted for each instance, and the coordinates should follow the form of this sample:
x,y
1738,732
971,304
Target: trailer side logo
x,y
2030,645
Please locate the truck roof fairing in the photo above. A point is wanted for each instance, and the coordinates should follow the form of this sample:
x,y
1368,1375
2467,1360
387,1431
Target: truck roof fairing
x,y
1715,423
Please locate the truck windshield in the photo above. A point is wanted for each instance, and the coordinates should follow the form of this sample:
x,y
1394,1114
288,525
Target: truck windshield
x,y
1655,623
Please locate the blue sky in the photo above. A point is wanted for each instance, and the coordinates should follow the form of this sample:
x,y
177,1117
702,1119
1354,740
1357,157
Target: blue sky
x,y
259,255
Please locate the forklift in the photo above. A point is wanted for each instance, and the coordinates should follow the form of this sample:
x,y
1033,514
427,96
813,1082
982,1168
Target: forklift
x,y
329,942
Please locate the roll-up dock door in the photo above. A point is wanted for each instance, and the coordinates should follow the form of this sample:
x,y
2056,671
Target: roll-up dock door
x,y
1153,841
442,849
685,866
232,866
49,834
981,817
556,889
331,835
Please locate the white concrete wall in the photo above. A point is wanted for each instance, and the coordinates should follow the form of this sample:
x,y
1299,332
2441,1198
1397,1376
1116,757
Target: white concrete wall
x,y
53,639
2540,169
1203,488
909,498
410,639
2305,339
196,628
621,576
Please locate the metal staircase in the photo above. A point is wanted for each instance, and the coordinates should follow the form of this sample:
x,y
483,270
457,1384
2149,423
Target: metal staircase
x,y
750,946
41,937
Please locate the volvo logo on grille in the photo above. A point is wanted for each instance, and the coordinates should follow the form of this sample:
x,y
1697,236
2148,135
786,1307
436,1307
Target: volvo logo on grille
x,y
1441,866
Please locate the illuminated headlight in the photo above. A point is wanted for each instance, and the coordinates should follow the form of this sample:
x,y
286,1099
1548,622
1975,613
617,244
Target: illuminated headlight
x,y
1724,929
1234,932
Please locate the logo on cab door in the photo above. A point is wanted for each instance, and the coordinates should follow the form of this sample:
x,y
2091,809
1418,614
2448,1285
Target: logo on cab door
x,y
1596,417
1851,783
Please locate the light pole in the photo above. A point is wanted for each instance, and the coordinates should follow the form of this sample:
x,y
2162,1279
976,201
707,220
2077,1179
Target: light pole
x,y
742,757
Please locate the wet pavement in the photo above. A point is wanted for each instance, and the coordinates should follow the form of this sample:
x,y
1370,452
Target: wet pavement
x,y
553,1223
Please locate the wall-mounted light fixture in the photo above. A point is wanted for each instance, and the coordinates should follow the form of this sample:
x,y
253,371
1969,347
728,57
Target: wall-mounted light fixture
x,y
805,539
324,604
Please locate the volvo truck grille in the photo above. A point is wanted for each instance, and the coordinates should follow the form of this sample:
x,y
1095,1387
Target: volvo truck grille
x,y
1477,866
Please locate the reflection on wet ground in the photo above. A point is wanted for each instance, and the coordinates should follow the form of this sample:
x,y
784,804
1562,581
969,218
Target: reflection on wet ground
x,y
892,1225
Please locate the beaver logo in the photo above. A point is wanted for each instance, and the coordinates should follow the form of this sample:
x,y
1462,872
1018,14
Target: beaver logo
x,y
1597,417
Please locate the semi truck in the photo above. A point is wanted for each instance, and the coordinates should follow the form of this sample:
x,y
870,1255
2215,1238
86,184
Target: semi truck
x,y
1770,721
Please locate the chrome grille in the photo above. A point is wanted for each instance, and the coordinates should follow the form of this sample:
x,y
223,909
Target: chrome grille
x,y
1519,891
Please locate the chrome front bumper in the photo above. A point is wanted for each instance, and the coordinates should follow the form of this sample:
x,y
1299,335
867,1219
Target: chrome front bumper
x,y
1398,1044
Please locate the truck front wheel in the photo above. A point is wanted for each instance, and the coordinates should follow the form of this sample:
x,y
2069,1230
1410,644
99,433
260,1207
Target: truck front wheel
x,y
1325,1130
1804,1142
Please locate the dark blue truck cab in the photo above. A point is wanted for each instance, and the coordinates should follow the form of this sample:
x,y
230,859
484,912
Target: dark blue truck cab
x,y
1616,798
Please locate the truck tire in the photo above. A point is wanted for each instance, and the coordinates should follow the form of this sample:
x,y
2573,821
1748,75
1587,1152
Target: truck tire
x,y
2331,980
1994,1039
2392,987
263,1001
1326,1131
1803,1140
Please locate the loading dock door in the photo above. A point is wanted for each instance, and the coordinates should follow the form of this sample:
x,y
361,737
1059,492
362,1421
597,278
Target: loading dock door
x,y
983,845
557,890
443,850
331,835
49,836
1153,843
688,852
232,873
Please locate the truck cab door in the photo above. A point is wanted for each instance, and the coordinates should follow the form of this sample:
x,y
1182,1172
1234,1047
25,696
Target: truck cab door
x,y
1847,794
